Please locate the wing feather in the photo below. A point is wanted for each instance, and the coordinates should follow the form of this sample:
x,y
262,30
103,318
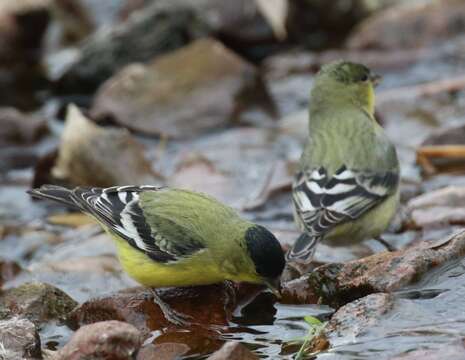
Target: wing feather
x,y
119,209
322,202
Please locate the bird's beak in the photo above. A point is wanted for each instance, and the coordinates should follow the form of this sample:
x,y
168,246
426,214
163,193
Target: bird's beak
x,y
274,285
376,79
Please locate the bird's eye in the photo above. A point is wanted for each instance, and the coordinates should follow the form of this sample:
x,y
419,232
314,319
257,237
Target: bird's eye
x,y
364,78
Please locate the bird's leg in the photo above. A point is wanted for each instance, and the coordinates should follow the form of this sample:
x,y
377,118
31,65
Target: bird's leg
x,y
388,246
230,292
174,317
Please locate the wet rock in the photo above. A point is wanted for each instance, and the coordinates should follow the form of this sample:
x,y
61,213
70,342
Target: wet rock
x,y
453,196
240,171
19,340
136,306
200,339
279,180
199,174
338,284
87,155
168,97
410,24
22,26
147,33
73,20
8,270
165,351
104,340
449,135
20,128
38,302
437,208
318,24
297,291
356,320
233,351
353,319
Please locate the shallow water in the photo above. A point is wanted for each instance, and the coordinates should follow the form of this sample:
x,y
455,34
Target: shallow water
x,y
427,315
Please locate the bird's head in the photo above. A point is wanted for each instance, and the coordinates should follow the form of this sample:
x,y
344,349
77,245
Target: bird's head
x,y
348,81
266,254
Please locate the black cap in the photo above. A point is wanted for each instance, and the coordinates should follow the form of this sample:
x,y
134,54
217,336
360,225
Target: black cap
x,y
265,251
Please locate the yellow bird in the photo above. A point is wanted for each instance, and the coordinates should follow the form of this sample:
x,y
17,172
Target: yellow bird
x,y
171,237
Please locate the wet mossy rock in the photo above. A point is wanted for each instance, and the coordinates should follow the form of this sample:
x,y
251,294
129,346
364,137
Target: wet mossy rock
x,y
338,284
38,302
193,90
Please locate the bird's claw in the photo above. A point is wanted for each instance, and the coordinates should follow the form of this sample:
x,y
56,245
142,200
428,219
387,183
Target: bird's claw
x,y
177,318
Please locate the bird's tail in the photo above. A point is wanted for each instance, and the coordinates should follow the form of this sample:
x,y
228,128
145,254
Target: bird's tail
x,y
303,249
55,193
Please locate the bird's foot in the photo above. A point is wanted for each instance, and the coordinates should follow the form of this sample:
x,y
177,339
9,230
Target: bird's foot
x,y
177,318
388,246
171,315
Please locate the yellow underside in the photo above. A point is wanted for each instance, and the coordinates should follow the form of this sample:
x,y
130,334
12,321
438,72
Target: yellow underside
x,y
199,269
369,225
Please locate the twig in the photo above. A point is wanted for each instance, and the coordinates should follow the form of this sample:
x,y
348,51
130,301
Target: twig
x,y
428,152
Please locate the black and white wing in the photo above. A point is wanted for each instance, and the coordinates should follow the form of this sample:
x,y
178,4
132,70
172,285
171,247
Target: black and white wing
x,y
322,202
119,210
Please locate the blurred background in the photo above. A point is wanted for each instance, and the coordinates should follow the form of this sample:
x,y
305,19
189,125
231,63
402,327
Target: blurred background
x,y
212,95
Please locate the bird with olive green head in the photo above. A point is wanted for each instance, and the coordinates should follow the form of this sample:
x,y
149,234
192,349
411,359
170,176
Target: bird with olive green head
x,y
347,186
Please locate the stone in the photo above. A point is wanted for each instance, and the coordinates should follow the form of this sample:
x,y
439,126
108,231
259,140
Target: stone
x,y
20,128
198,174
193,90
352,319
147,33
38,302
323,24
90,155
297,291
136,306
164,351
19,340
233,351
442,207
447,135
338,284
410,24
106,340
8,270
22,28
